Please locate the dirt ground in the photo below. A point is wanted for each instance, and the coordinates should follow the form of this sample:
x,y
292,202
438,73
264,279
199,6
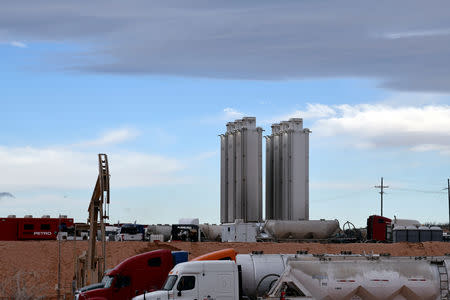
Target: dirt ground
x,y
31,267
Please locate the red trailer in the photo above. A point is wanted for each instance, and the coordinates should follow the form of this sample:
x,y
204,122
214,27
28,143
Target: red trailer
x,y
379,229
45,228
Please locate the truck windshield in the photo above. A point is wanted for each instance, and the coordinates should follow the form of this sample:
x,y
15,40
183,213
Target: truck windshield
x,y
170,282
107,281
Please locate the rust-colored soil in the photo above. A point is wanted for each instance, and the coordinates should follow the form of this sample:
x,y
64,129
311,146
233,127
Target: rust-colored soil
x,y
32,266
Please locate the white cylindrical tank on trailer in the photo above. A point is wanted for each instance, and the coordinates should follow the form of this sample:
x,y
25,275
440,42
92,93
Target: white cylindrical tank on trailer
x,y
299,230
356,278
212,232
260,270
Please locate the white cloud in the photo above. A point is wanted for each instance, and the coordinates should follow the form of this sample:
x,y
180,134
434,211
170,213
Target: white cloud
x,y
18,44
28,167
417,33
418,128
112,137
313,111
231,114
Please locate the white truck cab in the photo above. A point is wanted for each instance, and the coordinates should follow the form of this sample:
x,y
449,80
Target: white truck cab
x,y
199,280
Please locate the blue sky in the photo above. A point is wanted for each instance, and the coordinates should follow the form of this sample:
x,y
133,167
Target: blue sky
x,y
156,107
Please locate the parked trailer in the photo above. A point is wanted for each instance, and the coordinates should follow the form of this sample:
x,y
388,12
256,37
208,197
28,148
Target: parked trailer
x,y
334,277
131,232
258,270
29,228
357,278
300,230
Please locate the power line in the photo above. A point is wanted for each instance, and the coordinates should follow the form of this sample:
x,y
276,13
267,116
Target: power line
x,y
418,191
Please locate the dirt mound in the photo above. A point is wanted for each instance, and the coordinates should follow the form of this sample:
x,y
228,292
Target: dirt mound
x,y
31,266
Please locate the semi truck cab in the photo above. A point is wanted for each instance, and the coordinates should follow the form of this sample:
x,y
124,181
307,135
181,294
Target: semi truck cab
x,y
197,280
136,275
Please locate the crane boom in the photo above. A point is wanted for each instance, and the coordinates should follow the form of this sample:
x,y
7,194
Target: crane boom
x,y
98,212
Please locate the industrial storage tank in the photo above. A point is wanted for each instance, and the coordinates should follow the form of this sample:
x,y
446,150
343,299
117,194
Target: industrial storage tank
x,y
299,230
405,222
159,229
259,271
211,232
287,171
241,172
363,278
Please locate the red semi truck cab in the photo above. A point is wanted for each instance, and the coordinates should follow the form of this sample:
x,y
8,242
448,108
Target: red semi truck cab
x,y
135,275
379,229
143,272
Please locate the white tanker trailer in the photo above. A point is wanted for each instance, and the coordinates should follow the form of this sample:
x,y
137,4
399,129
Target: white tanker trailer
x,y
352,277
301,230
357,278
260,270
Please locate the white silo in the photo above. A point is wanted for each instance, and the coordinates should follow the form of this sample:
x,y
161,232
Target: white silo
x,y
287,176
241,172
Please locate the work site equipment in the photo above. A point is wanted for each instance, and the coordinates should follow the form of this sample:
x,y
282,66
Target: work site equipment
x,y
313,277
90,265
363,277
143,273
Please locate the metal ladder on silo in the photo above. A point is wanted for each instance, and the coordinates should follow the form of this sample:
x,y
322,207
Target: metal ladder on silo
x,y
443,281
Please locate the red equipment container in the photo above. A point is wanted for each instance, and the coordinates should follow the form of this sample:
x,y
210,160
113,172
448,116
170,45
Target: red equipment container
x,y
19,229
379,229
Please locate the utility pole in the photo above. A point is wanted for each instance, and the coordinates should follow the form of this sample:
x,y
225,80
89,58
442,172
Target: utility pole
x,y
448,192
59,258
381,187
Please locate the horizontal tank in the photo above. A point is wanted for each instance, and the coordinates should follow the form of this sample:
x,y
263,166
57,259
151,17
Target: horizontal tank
x,y
212,232
164,230
405,222
299,230
259,271
362,278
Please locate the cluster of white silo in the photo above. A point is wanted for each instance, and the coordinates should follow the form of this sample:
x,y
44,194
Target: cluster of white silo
x,y
241,172
287,171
